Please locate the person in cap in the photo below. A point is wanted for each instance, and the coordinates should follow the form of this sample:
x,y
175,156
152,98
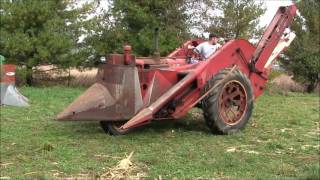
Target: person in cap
x,y
206,49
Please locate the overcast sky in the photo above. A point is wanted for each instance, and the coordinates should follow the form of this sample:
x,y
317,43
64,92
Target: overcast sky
x,y
272,7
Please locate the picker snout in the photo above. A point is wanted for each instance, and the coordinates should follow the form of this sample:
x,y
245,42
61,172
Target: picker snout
x,y
115,96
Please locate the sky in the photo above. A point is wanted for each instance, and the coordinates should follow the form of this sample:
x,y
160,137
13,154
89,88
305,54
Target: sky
x,y
272,7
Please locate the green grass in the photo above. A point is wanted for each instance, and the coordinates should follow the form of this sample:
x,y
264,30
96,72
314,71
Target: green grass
x,y
280,142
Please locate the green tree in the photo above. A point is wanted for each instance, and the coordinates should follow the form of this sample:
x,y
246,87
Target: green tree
x,y
238,19
133,22
303,56
34,32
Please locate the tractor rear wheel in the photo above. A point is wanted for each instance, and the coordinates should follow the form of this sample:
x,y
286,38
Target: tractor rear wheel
x,y
228,108
113,127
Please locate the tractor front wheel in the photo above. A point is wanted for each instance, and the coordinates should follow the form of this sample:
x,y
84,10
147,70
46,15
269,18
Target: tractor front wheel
x,y
228,108
113,127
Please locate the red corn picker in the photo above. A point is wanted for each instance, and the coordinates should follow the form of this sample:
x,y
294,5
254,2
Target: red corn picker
x,y
130,92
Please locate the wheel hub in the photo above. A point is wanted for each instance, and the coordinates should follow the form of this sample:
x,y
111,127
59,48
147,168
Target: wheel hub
x,y
232,102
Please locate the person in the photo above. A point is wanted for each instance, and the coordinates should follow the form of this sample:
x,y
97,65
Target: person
x,y
206,49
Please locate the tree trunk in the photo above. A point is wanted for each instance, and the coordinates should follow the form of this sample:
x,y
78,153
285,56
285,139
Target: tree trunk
x,y
311,87
29,78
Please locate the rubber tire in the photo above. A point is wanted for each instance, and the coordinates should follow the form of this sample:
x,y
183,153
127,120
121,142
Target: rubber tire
x,y
110,127
210,104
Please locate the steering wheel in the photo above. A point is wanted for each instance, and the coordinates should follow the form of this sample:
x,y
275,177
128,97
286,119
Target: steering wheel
x,y
191,54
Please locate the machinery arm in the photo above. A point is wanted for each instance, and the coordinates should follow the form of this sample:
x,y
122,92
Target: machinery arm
x,y
271,37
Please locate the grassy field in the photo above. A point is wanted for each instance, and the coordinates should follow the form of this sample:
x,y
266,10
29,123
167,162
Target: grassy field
x,y
280,142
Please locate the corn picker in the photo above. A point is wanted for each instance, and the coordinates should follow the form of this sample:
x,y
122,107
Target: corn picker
x,y
130,92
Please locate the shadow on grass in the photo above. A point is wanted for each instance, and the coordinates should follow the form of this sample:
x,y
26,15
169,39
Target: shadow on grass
x,y
183,125
192,122
159,127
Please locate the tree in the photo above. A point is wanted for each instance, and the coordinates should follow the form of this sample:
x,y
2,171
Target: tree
x,y
133,22
238,19
303,56
35,32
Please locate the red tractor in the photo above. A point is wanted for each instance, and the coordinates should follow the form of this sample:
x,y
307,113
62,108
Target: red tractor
x,y
130,92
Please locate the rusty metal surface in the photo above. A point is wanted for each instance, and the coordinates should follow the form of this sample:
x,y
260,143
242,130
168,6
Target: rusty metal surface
x,y
142,117
160,83
233,102
115,96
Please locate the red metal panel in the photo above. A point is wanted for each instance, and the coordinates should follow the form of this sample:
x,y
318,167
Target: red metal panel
x,y
8,72
257,84
162,81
